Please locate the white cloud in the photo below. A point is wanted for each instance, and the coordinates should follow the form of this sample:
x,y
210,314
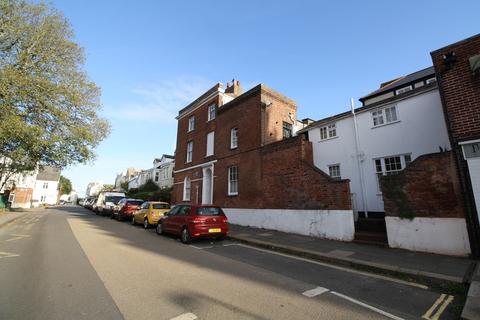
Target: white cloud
x,y
161,102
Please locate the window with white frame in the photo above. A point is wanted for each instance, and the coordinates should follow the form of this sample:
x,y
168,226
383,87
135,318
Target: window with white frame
x,y
334,171
233,181
329,131
431,80
157,176
189,151
43,198
45,185
391,165
11,197
384,116
211,112
210,143
233,138
186,189
191,123
404,89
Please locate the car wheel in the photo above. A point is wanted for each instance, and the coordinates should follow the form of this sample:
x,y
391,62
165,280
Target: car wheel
x,y
133,220
185,238
158,229
146,225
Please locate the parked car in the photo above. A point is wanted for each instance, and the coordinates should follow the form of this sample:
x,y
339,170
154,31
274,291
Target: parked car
x,y
194,221
87,204
107,200
94,204
125,208
150,212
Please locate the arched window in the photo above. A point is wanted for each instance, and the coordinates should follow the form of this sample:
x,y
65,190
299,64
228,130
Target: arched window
x,y
186,189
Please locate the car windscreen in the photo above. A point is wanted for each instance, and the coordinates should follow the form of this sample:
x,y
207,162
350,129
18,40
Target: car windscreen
x,y
160,206
209,211
113,199
135,202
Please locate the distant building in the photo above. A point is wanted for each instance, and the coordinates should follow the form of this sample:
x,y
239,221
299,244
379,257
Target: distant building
x,y
93,188
125,177
45,191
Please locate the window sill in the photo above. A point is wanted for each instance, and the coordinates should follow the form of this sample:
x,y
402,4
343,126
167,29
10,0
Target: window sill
x,y
233,148
208,156
386,124
233,194
190,130
331,138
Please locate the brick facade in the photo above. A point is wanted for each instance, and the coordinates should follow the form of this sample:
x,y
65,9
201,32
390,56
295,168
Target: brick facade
x,y
460,93
273,172
428,187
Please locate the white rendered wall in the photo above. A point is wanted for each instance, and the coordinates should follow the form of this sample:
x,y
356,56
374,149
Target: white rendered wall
x,y
50,193
328,224
420,130
436,235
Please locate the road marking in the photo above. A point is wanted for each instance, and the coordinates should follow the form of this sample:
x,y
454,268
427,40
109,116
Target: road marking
x,y
363,273
185,316
17,237
386,314
444,303
230,244
8,255
315,292
200,248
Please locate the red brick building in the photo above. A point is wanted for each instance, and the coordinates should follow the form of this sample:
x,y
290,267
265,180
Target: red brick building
x,y
238,150
457,68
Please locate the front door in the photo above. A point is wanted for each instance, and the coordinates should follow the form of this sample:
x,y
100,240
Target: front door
x,y
207,185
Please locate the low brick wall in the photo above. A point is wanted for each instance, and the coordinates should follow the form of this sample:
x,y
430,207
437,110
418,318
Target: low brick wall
x,y
428,187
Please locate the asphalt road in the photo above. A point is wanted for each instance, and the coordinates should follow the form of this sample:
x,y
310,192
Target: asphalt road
x,y
68,263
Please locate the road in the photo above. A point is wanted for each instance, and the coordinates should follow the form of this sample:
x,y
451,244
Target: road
x,y
67,263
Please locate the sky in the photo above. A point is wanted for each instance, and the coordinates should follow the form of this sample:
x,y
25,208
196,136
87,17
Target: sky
x,y
151,58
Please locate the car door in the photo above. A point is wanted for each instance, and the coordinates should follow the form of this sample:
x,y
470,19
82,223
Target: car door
x,y
168,223
183,217
140,215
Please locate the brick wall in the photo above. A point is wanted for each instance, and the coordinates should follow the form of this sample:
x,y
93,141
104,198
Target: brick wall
x,y
428,187
460,93
23,196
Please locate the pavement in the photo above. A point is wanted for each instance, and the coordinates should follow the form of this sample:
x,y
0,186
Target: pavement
x,y
424,267
67,263
471,311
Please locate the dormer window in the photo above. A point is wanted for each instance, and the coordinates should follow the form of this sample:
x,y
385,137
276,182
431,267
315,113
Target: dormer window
x,y
431,80
212,112
403,90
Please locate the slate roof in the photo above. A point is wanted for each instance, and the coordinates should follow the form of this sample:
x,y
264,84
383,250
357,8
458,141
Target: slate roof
x,y
48,174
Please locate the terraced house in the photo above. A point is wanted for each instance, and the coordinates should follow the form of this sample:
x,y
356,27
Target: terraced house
x,y
240,150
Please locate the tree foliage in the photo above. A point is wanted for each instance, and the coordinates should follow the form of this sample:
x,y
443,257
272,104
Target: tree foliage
x,y
48,106
64,185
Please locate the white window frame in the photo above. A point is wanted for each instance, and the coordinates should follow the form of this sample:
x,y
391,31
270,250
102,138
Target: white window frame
x,y
191,123
189,151
328,131
11,197
210,144
187,188
379,163
212,112
404,89
384,116
334,168
233,181
431,80
233,138
287,127
157,176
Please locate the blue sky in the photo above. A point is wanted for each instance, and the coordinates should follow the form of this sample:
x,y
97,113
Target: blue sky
x,y
153,57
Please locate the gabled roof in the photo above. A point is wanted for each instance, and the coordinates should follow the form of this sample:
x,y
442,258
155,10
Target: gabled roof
x,y
400,82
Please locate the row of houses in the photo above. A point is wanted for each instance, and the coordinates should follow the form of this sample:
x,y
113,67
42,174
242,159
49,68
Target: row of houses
x,y
407,160
32,189
161,173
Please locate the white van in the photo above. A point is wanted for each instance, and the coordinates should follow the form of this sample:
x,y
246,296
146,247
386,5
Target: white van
x,y
107,200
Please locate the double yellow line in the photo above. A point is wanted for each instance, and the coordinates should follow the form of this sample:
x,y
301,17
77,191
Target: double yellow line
x,y
440,305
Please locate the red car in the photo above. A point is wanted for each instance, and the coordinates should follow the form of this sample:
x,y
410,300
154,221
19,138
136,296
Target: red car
x,y
194,221
125,209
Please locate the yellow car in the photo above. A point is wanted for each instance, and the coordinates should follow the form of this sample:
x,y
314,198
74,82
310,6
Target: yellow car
x,y
150,212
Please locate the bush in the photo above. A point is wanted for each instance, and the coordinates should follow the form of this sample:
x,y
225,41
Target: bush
x,y
163,194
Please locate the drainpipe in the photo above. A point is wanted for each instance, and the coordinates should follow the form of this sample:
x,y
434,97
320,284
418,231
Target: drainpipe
x,y
359,161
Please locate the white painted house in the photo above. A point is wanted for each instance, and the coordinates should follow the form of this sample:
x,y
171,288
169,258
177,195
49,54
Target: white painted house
x,y
400,121
161,173
45,191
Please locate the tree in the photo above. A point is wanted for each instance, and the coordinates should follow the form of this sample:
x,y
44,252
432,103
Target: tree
x,y
64,185
48,106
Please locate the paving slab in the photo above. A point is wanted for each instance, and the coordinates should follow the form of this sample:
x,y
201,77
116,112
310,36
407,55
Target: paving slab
x,y
427,267
471,310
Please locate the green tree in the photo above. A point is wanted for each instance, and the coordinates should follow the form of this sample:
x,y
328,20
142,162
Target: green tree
x,y
64,185
124,185
48,106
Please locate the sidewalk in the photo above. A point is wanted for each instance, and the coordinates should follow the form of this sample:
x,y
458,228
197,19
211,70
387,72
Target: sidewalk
x,y
424,267
9,216
471,310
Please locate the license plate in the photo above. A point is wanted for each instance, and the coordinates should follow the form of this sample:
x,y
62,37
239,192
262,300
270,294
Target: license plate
x,y
215,230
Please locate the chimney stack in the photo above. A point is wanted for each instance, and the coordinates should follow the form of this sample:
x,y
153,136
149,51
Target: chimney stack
x,y
234,88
